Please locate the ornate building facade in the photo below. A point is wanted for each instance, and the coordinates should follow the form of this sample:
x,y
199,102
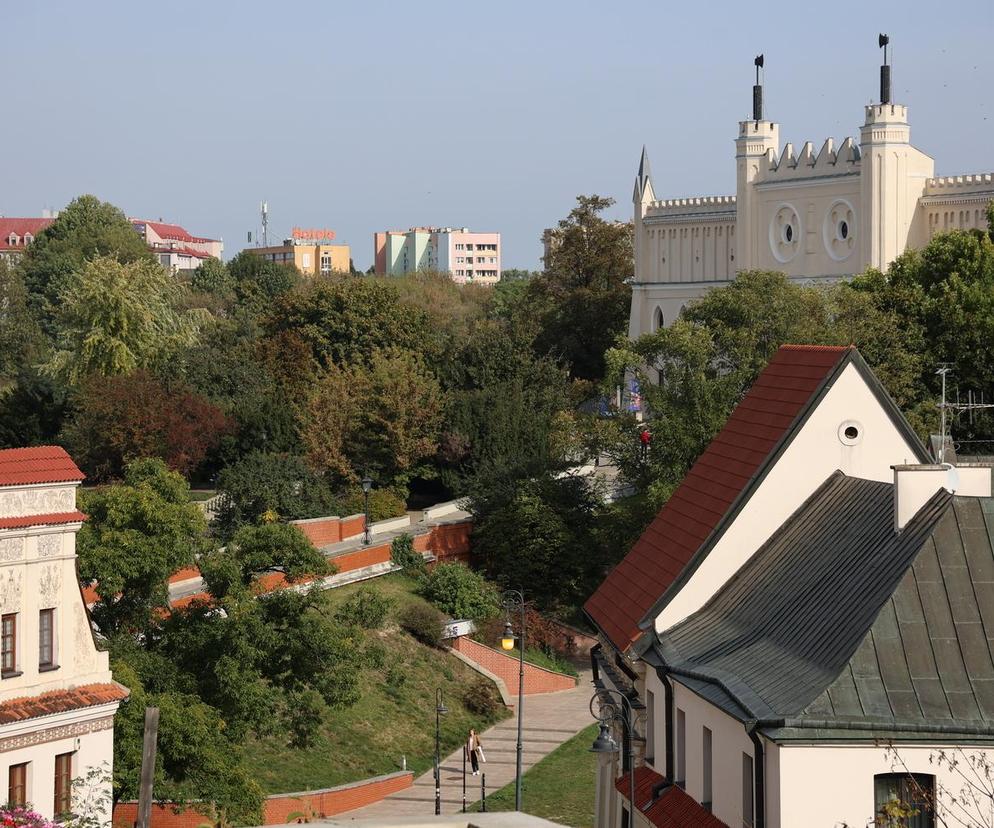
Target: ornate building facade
x,y
815,214
57,697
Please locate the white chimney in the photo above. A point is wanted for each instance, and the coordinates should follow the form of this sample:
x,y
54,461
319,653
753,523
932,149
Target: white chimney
x,y
914,485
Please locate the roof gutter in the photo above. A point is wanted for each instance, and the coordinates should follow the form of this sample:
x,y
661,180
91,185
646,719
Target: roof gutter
x,y
869,725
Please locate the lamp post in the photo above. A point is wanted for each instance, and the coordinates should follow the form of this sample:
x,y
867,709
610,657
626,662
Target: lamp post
x,y
367,484
608,712
440,710
510,599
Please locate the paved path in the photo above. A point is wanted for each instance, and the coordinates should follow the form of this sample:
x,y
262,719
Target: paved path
x,y
550,719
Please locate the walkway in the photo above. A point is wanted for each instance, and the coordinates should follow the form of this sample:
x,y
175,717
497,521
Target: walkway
x,y
550,719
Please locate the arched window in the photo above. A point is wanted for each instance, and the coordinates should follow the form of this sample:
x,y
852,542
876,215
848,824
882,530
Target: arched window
x,y
894,793
657,320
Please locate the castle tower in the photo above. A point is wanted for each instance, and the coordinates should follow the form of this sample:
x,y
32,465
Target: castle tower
x,y
642,197
894,175
756,145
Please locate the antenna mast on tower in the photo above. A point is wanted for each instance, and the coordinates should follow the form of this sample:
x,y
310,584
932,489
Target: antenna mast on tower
x,y
264,209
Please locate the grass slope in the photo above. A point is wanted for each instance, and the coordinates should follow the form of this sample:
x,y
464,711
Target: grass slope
x,y
395,716
560,787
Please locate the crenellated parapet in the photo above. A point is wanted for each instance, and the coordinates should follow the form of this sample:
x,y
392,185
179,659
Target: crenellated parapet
x,y
699,206
959,184
827,162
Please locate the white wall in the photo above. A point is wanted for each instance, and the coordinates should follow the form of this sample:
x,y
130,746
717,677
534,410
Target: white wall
x,y
812,456
825,786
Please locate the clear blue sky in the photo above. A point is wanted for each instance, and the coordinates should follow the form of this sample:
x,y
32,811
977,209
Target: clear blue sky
x,y
361,116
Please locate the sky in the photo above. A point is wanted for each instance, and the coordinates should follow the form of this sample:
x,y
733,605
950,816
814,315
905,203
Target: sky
x,y
364,116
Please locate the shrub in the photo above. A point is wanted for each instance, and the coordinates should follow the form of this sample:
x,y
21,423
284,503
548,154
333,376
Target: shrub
x,y
460,592
424,622
483,699
403,553
383,504
367,608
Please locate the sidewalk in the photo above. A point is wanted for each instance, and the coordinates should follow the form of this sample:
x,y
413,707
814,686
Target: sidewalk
x,y
550,719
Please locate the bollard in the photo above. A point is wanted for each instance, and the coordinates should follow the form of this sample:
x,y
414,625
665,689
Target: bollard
x,y
483,792
464,778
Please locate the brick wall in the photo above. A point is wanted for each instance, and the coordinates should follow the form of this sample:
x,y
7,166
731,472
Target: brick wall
x,y
537,679
450,541
277,808
324,530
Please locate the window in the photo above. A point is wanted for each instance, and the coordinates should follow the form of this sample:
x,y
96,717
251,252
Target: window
x,y
469,247
17,784
46,639
914,791
469,260
681,748
706,770
326,263
650,720
63,784
8,644
460,247
747,791
625,817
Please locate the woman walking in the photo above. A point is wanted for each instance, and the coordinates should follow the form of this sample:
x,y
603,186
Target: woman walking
x,y
475,749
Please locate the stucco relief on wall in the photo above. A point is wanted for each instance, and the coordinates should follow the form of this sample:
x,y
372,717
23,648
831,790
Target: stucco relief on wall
x,y
50,584
49,545
36,502
53,734
10,589
11,549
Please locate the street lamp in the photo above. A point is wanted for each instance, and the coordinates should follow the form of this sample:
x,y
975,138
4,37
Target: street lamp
x,y
606,713
510,599
367,484
440,710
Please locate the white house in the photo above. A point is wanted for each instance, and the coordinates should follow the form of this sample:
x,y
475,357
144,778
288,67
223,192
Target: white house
x,y
807,622
57,697
816,214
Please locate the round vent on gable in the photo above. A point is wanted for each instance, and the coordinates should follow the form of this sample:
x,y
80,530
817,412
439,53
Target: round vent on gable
x,y
850,433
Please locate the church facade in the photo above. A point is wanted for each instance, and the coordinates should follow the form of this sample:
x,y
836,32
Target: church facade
x,y
815,214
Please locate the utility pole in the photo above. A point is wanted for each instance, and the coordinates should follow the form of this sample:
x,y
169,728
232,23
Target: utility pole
x,y
148,766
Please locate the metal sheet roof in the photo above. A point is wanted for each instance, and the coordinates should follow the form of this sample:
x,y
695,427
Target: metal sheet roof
x,y
812,625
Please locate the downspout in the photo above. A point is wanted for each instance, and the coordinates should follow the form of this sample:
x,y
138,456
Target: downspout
x,y
759,770
668,718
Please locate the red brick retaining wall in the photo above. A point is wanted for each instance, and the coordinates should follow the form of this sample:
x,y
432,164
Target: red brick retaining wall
x,y
325,530
277,808
537,679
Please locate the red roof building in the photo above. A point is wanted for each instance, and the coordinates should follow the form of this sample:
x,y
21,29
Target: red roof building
x,y
176,248
663,804
17,233
39,464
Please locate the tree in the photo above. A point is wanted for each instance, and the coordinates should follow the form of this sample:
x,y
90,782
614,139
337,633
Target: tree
x,y
381,420
123,418
212,276
583,296
278,485
20,337
540,533
138,534
87,229
115,318
254,551
459,591
345,320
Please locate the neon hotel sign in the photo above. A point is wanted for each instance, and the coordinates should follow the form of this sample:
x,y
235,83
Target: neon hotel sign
x,y
301,234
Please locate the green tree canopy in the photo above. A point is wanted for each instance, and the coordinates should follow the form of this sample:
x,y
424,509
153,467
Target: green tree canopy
x,y
138,534
115,318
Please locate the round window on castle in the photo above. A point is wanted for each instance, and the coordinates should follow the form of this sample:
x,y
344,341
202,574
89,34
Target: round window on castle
x,y
843,230
850,433
788,234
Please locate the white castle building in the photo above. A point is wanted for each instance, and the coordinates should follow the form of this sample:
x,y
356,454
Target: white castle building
x,y
816,215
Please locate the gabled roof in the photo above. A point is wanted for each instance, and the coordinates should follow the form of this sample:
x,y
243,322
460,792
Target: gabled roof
x,y
814,623
174,232
672,807
40,464
61,701
761,423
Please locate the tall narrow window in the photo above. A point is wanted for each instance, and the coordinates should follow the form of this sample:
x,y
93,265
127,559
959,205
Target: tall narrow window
x,y
17,784
626,821
681,748
46,639
650,727
706,769
747,791
63,784
8,644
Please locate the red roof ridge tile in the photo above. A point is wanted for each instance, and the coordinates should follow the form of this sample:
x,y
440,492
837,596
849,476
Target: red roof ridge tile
x,y
61,701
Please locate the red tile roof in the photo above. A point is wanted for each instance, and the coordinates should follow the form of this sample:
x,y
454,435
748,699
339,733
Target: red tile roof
x,y
75,516
672,809
40,464
170,231
61,701
725,469
19,227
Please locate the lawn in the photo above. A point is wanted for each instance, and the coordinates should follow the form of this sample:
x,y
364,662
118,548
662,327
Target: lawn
x,y
560,787
395,716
